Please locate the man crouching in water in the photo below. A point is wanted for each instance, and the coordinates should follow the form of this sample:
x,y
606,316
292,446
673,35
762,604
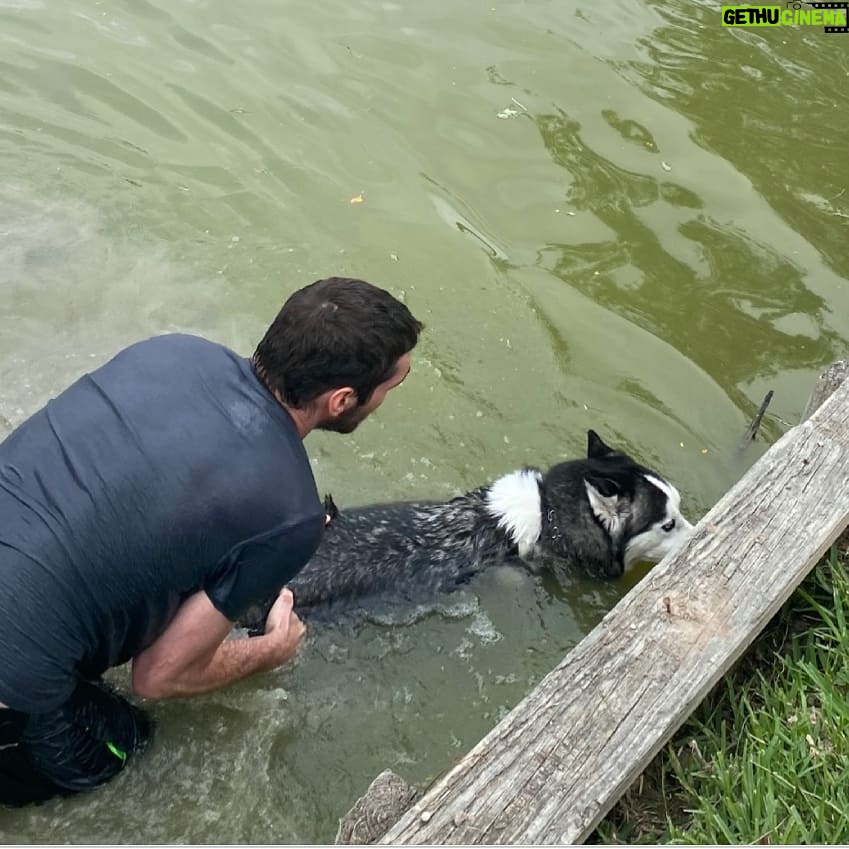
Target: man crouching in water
x,y
149,504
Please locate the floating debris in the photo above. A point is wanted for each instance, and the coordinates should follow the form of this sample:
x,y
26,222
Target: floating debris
x,y
509,112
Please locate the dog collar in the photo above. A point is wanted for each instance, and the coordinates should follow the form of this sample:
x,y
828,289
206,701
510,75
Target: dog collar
x,y
553,530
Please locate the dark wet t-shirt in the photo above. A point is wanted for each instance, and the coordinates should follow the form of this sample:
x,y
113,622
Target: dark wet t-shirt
x,y
168,470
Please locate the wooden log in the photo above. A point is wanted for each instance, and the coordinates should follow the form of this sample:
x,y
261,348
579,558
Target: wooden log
x,y
387,797
825,386
551,769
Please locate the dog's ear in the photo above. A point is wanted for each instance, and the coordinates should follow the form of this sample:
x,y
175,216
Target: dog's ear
x,y
596,447
605,487
330,508
607,505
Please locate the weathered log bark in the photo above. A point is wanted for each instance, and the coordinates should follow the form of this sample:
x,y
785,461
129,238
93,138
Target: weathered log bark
x,y
387,797
825,386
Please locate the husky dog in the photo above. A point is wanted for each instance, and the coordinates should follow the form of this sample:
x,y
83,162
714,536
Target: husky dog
x,y
595,517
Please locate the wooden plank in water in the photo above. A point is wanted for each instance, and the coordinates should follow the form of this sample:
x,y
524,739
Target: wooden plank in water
x,y
552,768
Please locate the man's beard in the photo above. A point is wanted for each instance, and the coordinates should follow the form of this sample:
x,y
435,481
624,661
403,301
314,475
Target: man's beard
x,y
345,423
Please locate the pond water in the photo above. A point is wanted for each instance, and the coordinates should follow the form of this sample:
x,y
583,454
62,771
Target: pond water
x,y
618,216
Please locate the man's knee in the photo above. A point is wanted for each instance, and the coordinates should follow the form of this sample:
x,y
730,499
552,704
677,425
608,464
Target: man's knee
x,y
84,743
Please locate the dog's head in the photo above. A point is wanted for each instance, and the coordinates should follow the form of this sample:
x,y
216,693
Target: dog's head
x,y
608,512
635,504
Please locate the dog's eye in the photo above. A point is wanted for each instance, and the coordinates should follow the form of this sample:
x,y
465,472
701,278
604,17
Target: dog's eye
x,y
668,526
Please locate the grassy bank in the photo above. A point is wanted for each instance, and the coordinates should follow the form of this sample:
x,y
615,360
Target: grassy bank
x,y
765,758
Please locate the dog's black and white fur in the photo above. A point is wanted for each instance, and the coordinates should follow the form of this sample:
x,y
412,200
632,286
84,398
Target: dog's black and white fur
x,y
596,516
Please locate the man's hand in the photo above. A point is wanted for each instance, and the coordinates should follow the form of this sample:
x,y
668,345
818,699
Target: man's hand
x,y
283,623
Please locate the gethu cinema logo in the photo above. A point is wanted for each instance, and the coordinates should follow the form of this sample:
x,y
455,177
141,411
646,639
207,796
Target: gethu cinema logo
x,y
833,16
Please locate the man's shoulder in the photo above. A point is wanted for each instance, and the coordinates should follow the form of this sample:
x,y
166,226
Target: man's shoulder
x,y
173,351
179,342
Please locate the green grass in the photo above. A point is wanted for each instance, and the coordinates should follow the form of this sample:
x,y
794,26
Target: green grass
x,y
765,759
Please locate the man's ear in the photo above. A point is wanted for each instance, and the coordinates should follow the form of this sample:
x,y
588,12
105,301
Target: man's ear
x,y
341,400
596,447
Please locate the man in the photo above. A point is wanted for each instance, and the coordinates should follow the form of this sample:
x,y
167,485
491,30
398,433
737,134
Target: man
x,y
144,508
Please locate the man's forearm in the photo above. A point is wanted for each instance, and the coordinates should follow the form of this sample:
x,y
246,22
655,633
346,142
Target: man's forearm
x,y
194,656
233,660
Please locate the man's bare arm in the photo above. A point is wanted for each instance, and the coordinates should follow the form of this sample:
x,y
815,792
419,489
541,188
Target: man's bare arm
x,y
192,655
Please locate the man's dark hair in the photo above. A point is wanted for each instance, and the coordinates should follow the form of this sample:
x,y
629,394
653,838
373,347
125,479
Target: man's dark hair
x,y
332,333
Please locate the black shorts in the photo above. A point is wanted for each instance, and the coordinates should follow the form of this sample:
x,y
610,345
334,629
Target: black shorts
x,y
76,747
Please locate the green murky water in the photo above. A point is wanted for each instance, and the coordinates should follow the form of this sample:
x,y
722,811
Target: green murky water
x,y
617,215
